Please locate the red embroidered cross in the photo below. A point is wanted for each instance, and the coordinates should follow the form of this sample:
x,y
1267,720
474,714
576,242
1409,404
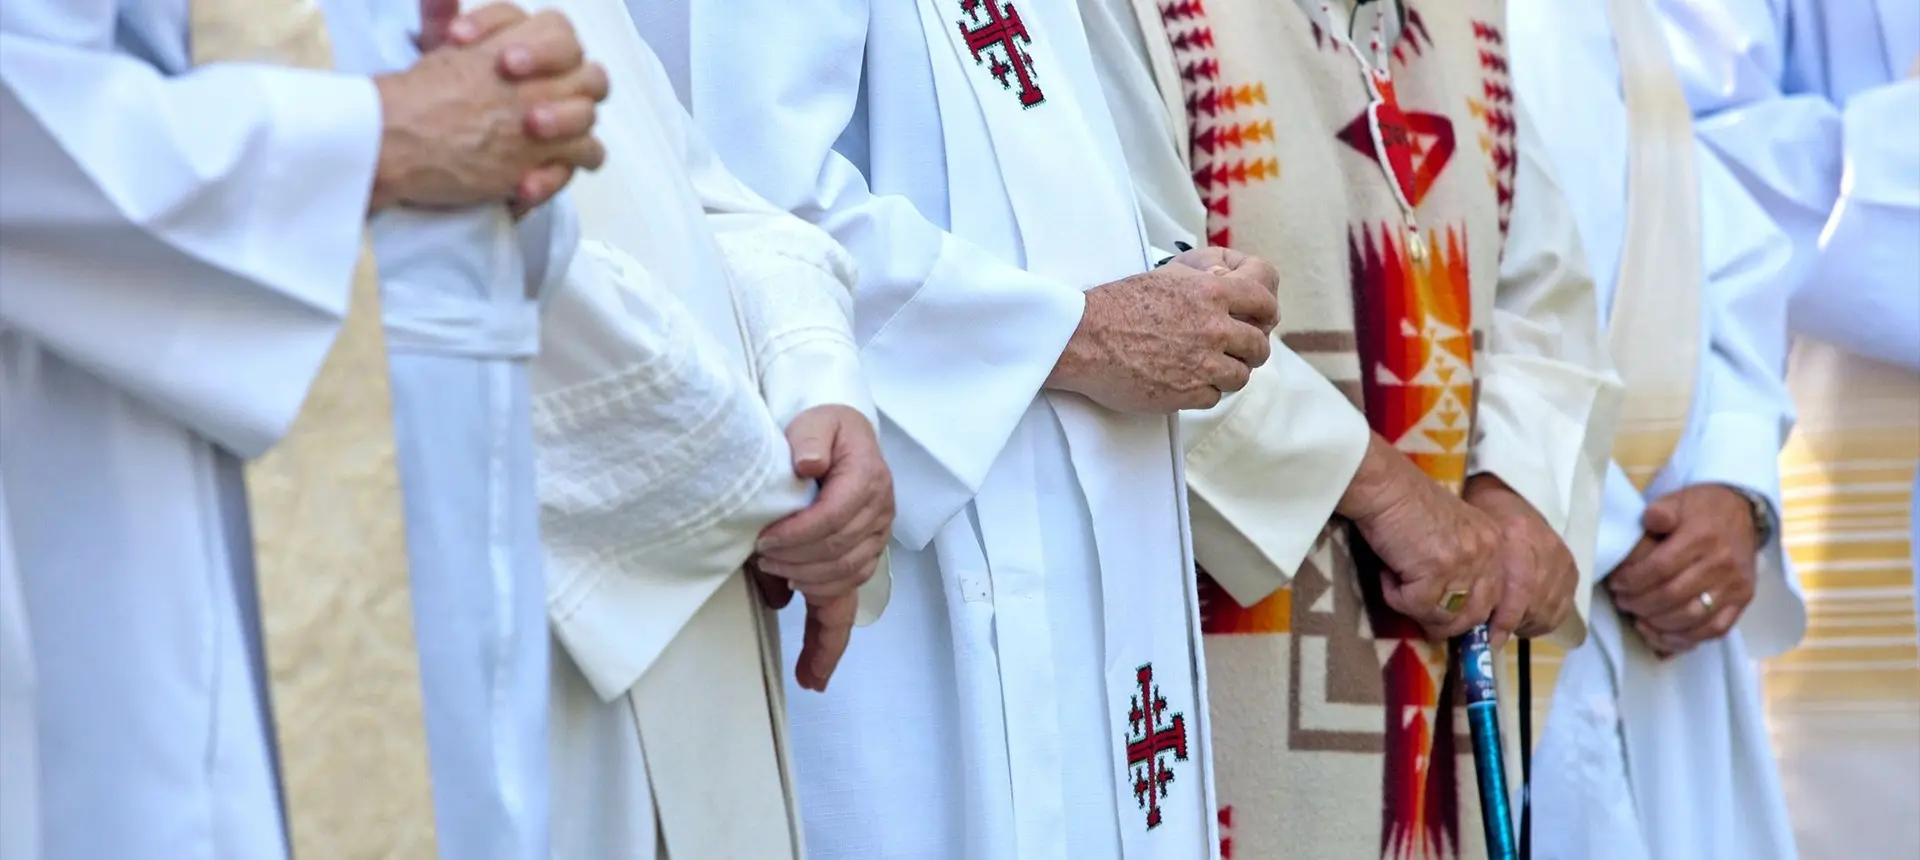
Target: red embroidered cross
x,y
1151,734
999,32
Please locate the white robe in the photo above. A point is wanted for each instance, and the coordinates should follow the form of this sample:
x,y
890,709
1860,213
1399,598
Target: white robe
x,y
660,395
1814,106
1041,570
19,757
164,311
1643,758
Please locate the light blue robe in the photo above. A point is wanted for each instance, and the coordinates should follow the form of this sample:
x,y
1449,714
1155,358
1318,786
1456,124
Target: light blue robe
x,y
1811,102
165,308
1643,758
1813,105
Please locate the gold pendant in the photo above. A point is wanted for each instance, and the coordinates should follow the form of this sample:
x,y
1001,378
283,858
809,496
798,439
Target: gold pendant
x,y
1416,245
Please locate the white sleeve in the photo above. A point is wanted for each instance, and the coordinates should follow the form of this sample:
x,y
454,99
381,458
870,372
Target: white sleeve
x,y
1548,394
658,466
1748,411
1731,58
773,103
190,240
1861,292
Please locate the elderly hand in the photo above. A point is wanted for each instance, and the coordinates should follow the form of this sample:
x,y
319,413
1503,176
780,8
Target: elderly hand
x,y
1541,575
831,548
1441,554
1177,337
1689,579
540,57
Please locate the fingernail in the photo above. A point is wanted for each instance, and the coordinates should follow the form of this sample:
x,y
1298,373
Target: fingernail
x,y
463,29
1219,270
542,119
518,59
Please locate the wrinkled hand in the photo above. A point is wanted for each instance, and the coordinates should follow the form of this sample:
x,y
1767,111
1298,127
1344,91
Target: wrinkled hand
x,y
828,631
503,116
1699,540
827,551
1174,338
1431,542
1541,574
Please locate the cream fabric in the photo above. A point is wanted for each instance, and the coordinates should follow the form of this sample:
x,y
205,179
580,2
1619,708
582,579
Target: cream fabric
x,y
324,507
694,324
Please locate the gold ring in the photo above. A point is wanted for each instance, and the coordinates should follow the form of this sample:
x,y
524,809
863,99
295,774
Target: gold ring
x,y
1454,601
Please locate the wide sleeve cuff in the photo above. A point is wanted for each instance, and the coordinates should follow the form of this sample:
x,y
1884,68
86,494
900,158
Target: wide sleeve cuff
x,y
954,370
1265,468
658,467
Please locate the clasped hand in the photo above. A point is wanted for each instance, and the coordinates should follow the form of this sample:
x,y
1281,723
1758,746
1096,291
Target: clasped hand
x,y
830,549
1487,549
1698,541
500,108
1177,337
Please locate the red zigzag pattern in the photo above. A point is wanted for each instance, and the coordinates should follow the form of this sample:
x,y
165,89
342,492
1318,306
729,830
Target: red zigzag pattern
x,y
1497,90
1225,152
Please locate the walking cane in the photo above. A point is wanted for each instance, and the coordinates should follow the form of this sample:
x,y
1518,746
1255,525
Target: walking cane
x,y
1489,760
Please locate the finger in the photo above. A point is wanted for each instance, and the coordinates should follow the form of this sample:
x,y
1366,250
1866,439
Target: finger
x,y
1673,555
811,436
841,499
441,23
542,46
830,578
1227,374
1674,601
1252,301
537,186
864,524
585,153
1204,259
1247,342
436,16
1259,271
1508,615
774,591
1663,516
829,628
1641,549
1694,622
1720,624
562,120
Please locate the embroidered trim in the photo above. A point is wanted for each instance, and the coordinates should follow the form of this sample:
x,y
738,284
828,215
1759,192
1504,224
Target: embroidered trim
x,y
1152,734
995,42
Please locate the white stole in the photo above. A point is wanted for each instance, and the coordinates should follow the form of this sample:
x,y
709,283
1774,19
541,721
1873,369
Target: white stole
x,y
1047,151
702,719
1655,326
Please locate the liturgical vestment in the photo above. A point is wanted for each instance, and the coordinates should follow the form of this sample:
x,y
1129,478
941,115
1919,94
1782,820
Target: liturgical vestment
x,y
1033,690
165,309
696,321
1473,349
1815,106
1643,757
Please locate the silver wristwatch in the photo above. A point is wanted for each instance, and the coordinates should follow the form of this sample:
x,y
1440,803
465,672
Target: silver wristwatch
x,y
1764,523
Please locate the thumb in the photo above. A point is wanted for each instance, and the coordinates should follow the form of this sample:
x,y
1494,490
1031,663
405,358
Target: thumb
x,y
811,436
1662,517
829,628
436,21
